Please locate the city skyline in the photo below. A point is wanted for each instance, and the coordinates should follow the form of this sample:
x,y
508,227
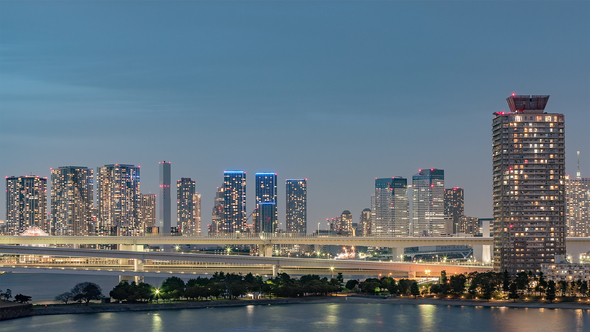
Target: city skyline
x,y
334,93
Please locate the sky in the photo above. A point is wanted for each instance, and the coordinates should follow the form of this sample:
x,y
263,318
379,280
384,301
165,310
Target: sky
x,y
338,92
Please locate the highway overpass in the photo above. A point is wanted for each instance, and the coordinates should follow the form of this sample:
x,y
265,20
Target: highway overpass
x,y
139,263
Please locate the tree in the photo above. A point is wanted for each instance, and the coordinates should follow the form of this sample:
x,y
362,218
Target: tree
x,y
513,292
444,282
414,289
550,293
65,297
506,281
522,281
404,286
350,284
86,291
22,298
6,295
174,286
458,283
563,287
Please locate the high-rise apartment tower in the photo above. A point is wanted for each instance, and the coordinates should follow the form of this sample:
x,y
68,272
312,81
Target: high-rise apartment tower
x,y
186,206
265,211
390,207
454,209
428,218
118,200
26,203
234,203
72,190
528,185
296,205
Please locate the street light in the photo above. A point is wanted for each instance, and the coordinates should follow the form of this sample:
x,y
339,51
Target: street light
x,y
332,269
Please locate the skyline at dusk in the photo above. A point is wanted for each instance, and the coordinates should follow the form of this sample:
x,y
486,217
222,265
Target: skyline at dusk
x,y
339,93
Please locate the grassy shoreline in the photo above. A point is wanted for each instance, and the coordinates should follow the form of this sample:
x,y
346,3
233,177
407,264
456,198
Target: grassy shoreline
x,y
355,299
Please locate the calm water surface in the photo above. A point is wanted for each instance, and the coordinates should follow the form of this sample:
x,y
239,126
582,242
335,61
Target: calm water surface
x,y
326,317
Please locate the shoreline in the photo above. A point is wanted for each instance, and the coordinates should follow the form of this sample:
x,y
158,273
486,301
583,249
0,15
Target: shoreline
x,y
354,299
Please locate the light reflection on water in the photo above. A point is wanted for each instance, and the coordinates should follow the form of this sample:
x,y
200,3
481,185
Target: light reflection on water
x,y
326,317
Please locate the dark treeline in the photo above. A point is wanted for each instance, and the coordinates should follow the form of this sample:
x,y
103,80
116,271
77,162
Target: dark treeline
x,y
227,286
501,285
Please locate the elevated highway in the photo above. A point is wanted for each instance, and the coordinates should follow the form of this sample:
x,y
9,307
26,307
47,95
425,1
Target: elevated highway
x,y
390,242
574,245
149,262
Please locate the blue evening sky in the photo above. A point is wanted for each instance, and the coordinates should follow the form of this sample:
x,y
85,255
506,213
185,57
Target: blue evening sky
x,y
336,92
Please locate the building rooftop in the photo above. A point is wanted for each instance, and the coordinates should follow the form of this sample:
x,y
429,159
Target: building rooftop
x,y
521,103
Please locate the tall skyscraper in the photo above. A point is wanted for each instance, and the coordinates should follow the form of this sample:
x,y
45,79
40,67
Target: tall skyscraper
x,y
118,200
218,212
528,183
296,205
454,208
147,212
234,205
26,203
265,211
185,193
390,207
72,196
428,195
346,222
364,226
577,198
197,214
164,203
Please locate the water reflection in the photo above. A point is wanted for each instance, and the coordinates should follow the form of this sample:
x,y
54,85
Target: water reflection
x,y
427,316
156,322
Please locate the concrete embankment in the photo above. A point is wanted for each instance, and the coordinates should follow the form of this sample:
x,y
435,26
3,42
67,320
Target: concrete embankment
x,y
117,307
10,310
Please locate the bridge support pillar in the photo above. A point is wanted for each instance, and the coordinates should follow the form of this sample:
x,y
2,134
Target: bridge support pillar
x,y
482,253
265,250
137,263
574,250
275,271
397,254
411,274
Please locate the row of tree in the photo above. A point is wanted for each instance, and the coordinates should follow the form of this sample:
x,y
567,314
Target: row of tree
x,y
227,286
82,292
6,296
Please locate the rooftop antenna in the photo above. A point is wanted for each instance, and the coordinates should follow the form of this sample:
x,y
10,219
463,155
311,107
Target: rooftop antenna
x,y
578,175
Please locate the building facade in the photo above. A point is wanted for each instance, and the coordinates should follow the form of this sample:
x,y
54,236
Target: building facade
x,y
187,218
26,204
296,205
428,217
390,207
577,198
265,211
468,225
164,199
234,203
118,200
147,213
218,212
528,185
346,223
72,198
454,209
364,225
